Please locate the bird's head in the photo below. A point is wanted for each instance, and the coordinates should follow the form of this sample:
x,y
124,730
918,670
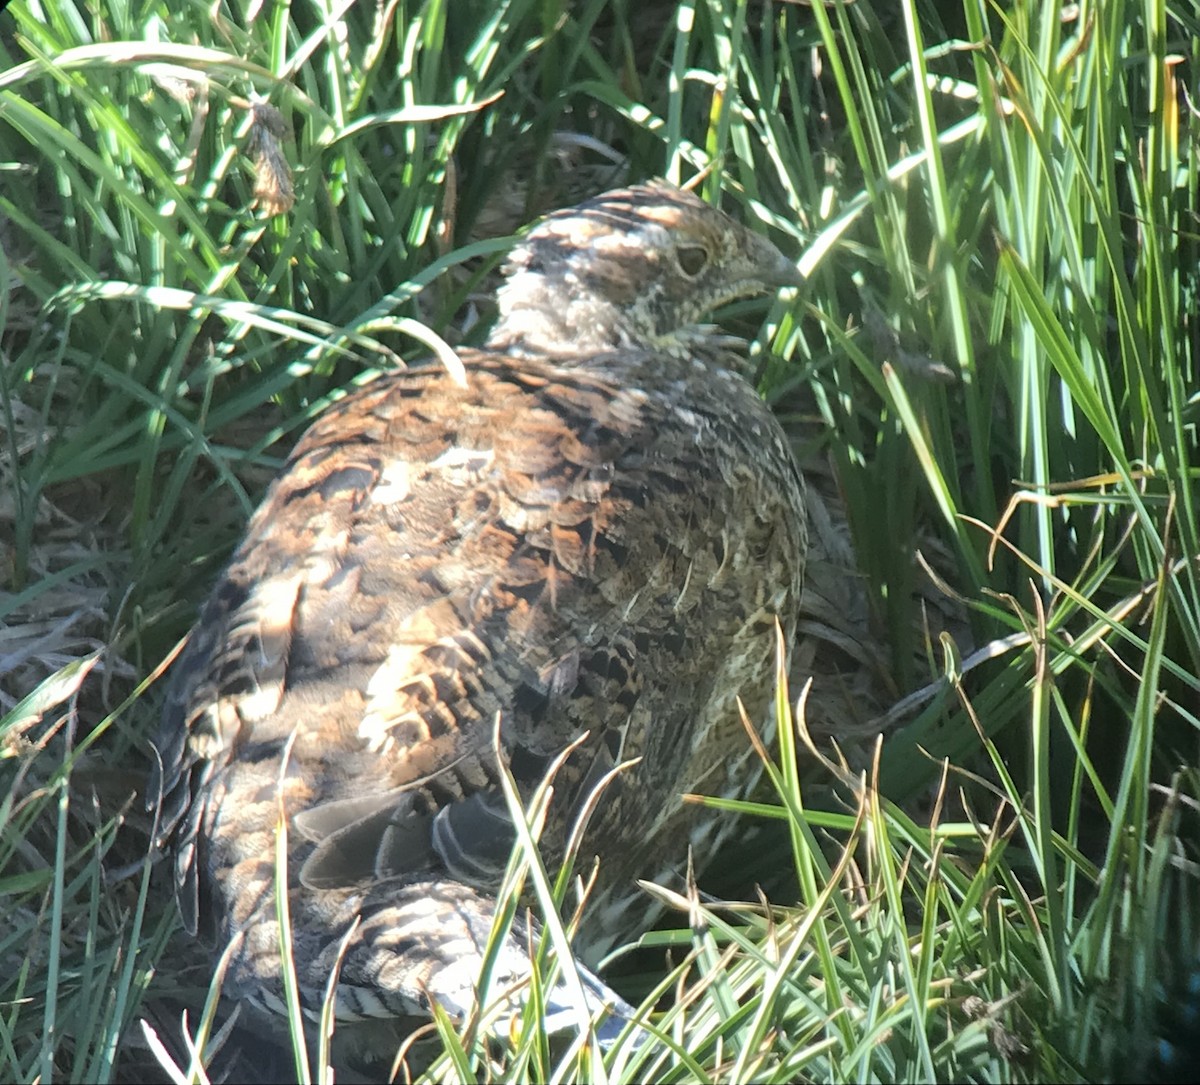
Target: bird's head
x,y
637,267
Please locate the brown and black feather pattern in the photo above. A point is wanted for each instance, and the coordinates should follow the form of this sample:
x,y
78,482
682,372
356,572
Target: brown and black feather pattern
x,y
595,534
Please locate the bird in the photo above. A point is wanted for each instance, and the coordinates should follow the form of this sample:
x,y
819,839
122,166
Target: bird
x,y
586,540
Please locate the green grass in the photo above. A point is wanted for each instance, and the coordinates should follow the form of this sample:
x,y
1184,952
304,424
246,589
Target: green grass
x,y
996,210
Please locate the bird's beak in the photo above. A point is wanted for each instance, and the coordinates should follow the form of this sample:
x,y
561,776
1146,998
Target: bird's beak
x,y
771,267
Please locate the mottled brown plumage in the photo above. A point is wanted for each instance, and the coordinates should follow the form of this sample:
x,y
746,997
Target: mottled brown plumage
x,y
596,533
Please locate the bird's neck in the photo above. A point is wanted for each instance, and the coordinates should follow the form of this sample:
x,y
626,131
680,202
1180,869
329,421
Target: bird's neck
x,y
538,317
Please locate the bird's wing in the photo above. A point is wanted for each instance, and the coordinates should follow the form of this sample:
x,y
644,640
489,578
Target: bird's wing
x,y
541,544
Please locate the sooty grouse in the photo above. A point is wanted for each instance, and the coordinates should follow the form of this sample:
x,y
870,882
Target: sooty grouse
x,y
595,533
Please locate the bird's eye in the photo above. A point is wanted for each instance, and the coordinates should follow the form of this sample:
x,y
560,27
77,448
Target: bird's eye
x,y
692,259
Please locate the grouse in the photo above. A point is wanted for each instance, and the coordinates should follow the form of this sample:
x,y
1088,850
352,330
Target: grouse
x,y
590,538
